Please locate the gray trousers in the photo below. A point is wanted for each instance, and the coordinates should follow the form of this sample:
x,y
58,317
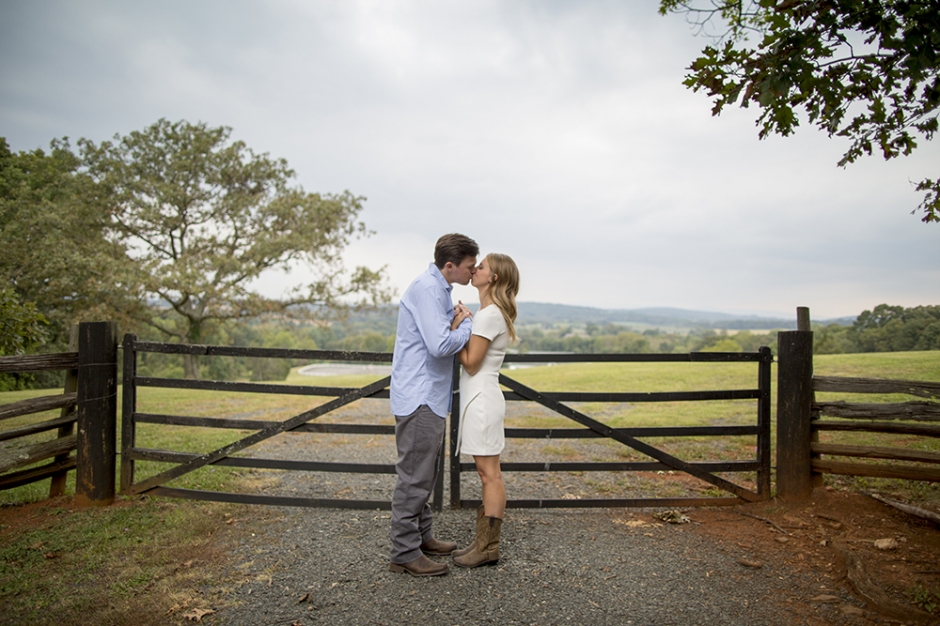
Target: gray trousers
x,y
420,441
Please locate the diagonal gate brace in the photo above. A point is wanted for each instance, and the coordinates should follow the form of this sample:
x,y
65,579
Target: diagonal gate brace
x,y
531,394
279,427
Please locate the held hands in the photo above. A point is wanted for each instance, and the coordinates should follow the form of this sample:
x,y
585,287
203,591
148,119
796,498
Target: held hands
x,y
461,312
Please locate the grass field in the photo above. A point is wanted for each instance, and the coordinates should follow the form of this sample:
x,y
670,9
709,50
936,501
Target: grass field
x,y
87,549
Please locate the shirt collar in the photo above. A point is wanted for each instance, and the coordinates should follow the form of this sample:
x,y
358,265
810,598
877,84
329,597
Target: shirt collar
x,y
435,271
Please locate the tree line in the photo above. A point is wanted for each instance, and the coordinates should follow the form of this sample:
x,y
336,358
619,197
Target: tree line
x,y
613,338
885,328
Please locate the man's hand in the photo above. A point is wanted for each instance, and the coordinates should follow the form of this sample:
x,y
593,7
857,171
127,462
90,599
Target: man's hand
x,y
461,312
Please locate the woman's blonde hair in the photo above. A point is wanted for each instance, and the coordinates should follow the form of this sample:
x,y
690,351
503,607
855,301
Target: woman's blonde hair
x,y
503,287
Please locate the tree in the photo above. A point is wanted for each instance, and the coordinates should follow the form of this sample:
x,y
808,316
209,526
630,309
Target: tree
x,y
203,217
867,70
833,339
22,328
889,328
55,253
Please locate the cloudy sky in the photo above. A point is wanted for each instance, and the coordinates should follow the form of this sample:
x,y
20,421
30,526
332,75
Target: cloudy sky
x,y
555,131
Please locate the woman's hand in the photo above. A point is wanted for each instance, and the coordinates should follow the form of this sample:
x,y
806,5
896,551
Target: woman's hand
x,y
461,312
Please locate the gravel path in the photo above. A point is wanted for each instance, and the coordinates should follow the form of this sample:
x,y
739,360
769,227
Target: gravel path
x,y
557,567
587,566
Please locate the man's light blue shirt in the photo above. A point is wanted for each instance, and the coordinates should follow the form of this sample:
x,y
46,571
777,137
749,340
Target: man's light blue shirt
x,y
423,361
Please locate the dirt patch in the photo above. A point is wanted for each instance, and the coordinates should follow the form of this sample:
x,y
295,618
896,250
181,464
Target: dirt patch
x,y
849,543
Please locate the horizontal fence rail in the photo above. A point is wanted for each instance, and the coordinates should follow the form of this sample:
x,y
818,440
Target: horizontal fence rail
x,y
38,405
846,384
222,385
21,451
868,417
653,357
661,461
38,362
265,353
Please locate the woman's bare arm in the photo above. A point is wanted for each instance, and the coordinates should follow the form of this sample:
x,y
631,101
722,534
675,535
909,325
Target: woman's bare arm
x,y
471,357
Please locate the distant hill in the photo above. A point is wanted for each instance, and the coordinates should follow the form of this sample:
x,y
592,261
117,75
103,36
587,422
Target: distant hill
x,y
658,317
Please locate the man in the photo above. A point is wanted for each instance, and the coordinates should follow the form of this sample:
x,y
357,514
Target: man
x,y
430,332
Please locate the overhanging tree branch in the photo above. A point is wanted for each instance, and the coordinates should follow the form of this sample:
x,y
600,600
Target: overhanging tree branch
x,y
806,59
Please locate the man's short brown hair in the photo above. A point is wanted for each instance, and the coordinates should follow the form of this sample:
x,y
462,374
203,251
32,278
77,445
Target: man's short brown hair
x,y
454,248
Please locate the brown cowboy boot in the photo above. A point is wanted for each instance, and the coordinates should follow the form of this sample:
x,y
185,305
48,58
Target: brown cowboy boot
x,y
479,529
438,548
422,566
486,548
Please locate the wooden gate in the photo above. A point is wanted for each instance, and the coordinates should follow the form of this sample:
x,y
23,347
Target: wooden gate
x,y
631,437
184,463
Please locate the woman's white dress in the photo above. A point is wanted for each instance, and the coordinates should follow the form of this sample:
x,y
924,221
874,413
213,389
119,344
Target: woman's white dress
x,y
482,406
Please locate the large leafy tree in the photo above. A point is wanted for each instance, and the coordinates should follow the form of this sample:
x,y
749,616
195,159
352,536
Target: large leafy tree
x,y
203,217
55,256
866,70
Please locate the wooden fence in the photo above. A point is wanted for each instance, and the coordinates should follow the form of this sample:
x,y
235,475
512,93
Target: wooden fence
x,y
88,401
802,458
881,418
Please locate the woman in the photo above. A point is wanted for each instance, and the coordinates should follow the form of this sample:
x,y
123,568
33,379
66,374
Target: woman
x,y
482,406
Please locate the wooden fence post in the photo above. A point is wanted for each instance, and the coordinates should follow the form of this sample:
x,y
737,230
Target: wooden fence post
x,y
97,414
794,410
454,434
57,485
129,405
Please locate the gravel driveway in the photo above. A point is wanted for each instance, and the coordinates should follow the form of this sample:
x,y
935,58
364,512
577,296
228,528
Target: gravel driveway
x,y
576,566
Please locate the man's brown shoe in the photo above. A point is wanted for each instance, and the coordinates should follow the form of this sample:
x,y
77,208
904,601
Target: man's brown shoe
x,y
421,566
438,548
